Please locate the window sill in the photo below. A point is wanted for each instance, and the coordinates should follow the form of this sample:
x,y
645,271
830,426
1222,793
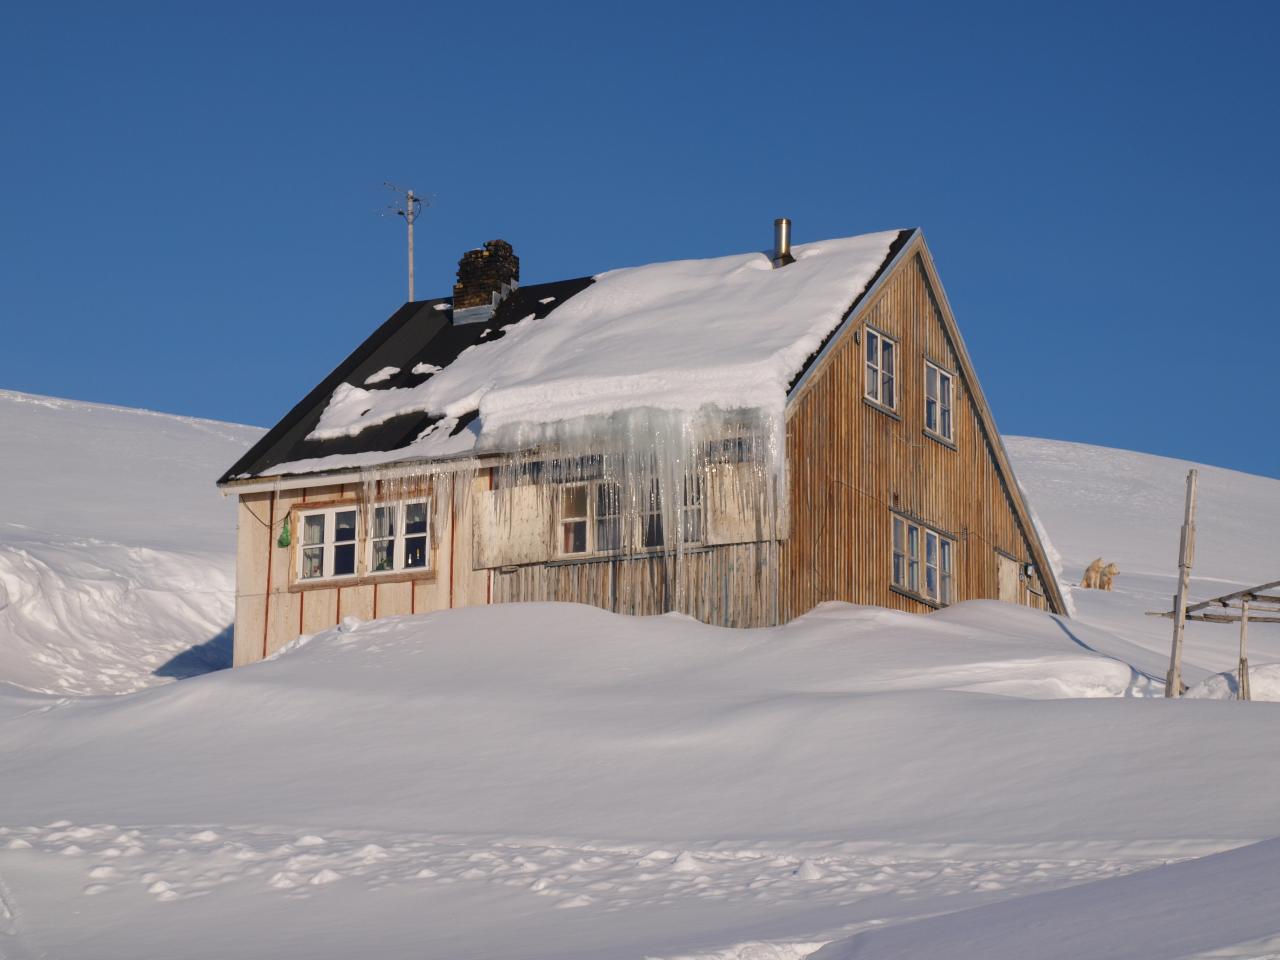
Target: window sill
x,y
427,575
887,411
918,598
619,555
941,440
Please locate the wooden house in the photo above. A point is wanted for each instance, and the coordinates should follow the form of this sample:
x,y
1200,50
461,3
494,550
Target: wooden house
x,y
738,439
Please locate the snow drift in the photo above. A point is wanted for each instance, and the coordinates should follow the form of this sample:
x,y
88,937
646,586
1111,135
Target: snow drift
x,y
116,552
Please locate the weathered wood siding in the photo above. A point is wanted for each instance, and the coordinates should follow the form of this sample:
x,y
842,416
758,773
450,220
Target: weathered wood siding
x,y
732,586
852,465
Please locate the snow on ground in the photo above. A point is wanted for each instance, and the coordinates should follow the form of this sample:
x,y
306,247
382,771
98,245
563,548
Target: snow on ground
x,y
555,781
116,551
541,781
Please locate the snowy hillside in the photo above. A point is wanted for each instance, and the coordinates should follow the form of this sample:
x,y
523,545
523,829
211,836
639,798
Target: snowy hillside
x,y
116,551
1127,507
552,781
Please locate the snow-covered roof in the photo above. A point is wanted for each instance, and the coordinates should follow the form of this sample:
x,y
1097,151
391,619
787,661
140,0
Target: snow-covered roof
x,y
729,332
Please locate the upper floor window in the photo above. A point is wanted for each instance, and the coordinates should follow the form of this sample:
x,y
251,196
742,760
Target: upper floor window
x,y
328,543
939,390
922,561
401,537
882,366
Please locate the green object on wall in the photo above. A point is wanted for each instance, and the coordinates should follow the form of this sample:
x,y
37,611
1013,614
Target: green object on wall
x,y
285,538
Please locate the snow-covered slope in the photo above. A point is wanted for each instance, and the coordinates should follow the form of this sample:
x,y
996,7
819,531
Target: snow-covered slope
x,y
541,781
116,551
1127,507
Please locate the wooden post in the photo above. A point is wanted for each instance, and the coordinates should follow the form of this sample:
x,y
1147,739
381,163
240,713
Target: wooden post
x,y
1243,677
1186,556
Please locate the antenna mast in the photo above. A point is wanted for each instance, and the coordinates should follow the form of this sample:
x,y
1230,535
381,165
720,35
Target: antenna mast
x,y
409,208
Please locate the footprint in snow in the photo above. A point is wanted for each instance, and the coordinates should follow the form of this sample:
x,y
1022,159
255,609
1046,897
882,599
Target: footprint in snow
x,y
686,863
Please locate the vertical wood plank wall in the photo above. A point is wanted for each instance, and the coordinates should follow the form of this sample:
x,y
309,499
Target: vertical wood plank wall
x,y
732,586
852,464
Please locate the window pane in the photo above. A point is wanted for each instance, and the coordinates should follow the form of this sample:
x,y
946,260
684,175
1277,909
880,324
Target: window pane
x,y
931,414
691,524
897,534
383,555
930,382
946,423
344,523
931,548
344,559
312,562
899,563
946,556
913,576
384,522
945,596
946,391
573,502
415,552
608,499
873,382
931,582
913,541
873,349
653,530
608,533
313,529
886,390
574,536
415,517
886,357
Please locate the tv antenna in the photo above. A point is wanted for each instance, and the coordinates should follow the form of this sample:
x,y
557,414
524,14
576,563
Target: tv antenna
x,y
408,205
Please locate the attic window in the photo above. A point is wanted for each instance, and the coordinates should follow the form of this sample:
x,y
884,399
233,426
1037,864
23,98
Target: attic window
x,y
882,367
939,391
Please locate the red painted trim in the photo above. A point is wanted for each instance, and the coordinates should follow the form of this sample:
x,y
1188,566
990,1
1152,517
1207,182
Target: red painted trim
x,y
266,606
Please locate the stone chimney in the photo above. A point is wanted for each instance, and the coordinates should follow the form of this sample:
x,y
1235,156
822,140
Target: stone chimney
x,y
485,277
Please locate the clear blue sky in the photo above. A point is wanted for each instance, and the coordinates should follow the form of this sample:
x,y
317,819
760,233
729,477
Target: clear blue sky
x,y
188,194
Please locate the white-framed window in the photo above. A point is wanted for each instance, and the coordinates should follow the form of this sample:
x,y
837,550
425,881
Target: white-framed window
x,y
923,561
327,542
691,511
882,369
591,519
400,538
689,515
939,394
